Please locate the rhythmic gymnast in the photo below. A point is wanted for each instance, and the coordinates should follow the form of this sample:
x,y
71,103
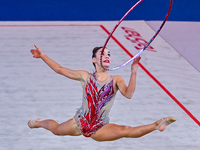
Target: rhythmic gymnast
x,y
99,90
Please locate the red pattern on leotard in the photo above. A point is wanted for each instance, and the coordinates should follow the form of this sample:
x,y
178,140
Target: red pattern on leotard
x,y
92,120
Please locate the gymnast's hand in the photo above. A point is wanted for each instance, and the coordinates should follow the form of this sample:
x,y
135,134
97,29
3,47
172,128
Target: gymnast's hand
x,y
134,65
36,52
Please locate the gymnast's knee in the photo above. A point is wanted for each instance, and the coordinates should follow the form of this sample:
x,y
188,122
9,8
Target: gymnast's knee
x,y
125,130
55,131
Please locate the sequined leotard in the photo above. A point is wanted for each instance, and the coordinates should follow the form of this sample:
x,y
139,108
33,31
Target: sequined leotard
x,y
98,98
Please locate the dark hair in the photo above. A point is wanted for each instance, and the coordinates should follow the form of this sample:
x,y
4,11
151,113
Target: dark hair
x,y
94,51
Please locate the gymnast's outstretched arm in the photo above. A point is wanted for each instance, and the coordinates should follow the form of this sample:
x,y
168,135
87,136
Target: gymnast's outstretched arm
x,y
79,75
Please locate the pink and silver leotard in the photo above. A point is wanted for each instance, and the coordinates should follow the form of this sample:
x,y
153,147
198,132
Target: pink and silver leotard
x,y
98,98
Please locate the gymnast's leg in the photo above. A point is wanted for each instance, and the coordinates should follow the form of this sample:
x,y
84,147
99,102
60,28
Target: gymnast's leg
x,y
66,128
110,132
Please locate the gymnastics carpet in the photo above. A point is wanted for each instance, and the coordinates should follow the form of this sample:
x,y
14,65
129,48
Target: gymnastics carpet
x,y
168,82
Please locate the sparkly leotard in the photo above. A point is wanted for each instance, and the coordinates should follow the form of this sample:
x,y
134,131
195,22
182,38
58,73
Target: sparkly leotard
x,y
98,98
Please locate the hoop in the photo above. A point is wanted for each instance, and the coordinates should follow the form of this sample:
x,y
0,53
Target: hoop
x,y
138,54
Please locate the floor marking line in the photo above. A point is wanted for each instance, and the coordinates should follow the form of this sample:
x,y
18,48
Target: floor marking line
x,y
47,25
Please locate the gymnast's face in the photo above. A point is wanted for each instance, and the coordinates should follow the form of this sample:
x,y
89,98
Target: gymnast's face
x,y
106,59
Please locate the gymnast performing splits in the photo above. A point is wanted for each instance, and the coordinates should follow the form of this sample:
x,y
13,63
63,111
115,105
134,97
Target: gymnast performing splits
x,y
99,90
